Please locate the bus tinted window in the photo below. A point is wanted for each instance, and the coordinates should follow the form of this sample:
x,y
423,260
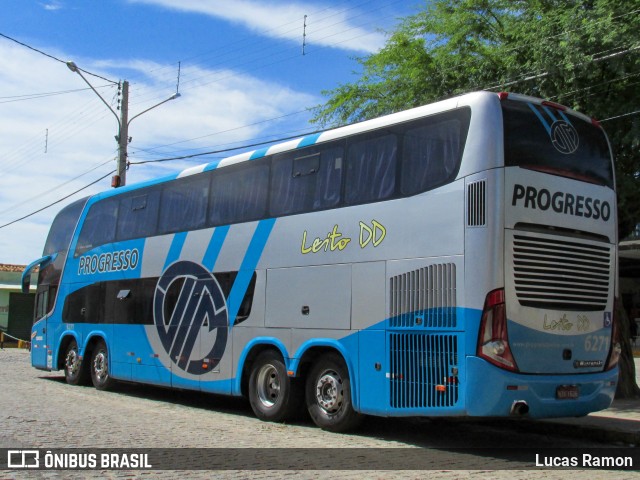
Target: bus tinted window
x,y
184,205
62,228
371,169
99,226
430,155
306,180
138,215
239,194
543,138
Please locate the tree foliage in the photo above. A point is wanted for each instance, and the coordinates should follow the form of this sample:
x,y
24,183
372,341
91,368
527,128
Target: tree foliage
x,y
582,53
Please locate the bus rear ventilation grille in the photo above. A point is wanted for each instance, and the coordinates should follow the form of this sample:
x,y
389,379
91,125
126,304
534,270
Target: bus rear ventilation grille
x,y
425,297
423,370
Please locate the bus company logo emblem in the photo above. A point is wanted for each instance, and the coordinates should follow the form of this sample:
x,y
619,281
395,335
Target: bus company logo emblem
x,y
607,319
564,137
23,459
191,317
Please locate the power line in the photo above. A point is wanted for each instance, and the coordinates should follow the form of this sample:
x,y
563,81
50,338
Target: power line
x,y
41,194
57,201
242,147
227,131
52,57
32,96
620,116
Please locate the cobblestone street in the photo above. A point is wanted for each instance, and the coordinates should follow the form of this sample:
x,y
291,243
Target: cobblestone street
x,y
39,410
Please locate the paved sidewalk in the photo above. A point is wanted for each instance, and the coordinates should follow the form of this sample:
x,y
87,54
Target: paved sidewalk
x,y
618,423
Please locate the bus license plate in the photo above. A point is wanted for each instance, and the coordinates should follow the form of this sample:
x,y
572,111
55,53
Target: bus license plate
x,y
567,392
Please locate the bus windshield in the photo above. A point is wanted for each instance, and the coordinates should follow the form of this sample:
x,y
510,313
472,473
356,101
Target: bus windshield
x,y
542,138
58,241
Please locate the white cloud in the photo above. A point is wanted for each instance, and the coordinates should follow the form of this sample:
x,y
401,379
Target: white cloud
x,y
326,27
53,5
81,130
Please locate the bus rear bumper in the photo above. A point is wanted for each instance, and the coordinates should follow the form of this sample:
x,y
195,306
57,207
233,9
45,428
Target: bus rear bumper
x,y
492,391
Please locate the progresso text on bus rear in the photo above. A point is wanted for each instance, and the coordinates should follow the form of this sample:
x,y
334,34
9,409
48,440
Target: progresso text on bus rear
x,y
561,202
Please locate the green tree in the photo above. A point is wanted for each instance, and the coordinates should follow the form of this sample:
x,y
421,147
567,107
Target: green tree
x,y
582,53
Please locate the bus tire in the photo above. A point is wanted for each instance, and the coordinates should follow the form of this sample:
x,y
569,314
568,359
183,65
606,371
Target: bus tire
x,y
328,395
100,367
75,369
273,395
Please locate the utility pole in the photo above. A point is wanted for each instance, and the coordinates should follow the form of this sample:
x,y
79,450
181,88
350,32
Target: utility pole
x,y
122,137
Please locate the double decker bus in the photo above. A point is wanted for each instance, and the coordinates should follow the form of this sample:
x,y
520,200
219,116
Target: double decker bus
x,y
454,259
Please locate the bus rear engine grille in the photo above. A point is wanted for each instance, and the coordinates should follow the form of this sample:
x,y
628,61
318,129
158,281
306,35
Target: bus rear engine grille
x,y
424,370
559,274
425,297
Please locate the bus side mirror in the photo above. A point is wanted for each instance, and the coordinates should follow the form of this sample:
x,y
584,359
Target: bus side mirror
x,y
26,282
26,274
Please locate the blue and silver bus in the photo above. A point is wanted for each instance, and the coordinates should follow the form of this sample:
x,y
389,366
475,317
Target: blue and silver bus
x,y
454,259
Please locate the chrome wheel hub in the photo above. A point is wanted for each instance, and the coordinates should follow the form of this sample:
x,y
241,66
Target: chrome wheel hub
x,y
329,391
268,385
100,366
72,362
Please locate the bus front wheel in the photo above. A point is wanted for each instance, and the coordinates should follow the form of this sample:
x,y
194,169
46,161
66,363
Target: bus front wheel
x,y
75,369
328,395
273,395
100,367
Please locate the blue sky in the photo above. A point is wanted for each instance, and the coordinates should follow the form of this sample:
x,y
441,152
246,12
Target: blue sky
x,y
243,79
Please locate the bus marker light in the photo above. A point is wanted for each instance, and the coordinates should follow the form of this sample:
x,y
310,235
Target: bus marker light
x,y
503,95
291,373
204,365
441,388
517,387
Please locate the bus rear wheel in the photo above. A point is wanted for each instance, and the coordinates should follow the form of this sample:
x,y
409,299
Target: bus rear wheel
x,y
75,370
328,395
100,367
273,395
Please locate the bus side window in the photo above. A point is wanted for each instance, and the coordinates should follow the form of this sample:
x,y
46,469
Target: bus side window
x,y
430,155
42,302
239,194
138,215
371,169
184,205
307,180
100,225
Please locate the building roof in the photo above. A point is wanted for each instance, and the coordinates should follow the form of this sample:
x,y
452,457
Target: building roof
x,y
5,267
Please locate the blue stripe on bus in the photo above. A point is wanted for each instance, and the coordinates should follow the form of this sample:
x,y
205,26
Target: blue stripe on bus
x,y
308,140
212,166
550,113
541,118
175,249
215,245
564,117
248,267
259,153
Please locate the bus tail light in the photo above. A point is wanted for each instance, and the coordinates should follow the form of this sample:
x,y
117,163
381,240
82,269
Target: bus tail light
x,y
616,347
493,341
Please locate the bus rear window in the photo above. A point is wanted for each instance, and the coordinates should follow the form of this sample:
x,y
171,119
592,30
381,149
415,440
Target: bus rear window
x,y
549,140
